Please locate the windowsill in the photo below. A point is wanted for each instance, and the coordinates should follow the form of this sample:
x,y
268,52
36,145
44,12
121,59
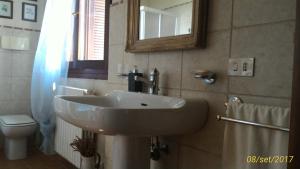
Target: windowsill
x,y
88,70
88,74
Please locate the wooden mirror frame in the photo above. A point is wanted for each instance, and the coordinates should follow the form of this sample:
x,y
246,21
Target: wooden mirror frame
x,y
197,39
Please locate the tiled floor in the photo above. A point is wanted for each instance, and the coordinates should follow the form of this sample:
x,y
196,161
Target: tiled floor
x,y
35,160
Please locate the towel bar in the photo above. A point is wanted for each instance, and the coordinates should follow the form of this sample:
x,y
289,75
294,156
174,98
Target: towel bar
x,y
252,123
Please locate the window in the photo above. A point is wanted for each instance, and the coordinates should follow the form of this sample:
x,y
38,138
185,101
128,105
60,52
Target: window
x,y
90,58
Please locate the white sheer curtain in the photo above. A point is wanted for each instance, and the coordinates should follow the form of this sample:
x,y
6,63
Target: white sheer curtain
x,y
51,66
246,146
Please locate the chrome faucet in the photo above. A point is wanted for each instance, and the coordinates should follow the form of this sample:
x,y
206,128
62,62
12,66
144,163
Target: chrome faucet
x,y
152,81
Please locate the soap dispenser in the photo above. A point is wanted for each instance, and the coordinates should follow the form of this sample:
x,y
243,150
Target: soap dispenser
x,y
134,85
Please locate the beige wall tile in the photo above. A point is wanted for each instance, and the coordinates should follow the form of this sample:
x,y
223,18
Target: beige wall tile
x,y
21,107
210,137
220,12
34,40
22,65
125,24
5,63
191,158
81,83
21,88
138,59
214,58
101,87
169,92
117,24
116,86
6,107
169,66
167,161
272,47
116,54
265,100
252,12
6,32
135,59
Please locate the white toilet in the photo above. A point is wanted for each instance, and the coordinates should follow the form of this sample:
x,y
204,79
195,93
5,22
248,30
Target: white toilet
x,y
16,129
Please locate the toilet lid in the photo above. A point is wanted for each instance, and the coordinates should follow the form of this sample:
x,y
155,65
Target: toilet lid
x,y
16,120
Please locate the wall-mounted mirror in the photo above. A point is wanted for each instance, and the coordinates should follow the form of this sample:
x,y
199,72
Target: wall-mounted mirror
x,y
155,25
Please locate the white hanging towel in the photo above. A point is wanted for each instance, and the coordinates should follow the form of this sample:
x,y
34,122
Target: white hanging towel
x,y
246,146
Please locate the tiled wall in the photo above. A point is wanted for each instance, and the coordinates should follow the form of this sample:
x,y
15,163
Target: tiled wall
x,y
262,29
16,66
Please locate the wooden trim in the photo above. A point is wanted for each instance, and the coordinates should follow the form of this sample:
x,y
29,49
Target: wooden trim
x,y
294,136
88,74
196,39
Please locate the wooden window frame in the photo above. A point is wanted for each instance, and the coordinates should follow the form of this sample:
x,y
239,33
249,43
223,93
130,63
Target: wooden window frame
x,y
90,69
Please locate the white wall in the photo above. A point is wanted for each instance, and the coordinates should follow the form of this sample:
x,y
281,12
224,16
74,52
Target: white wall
x,y
159,4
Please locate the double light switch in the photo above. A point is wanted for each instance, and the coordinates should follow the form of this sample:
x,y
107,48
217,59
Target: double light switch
x,y
241,67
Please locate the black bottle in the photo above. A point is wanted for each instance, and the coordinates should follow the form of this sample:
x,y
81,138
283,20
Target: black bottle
x,y
134,85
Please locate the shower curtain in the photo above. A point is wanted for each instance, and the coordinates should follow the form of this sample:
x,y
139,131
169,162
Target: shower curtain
x,y
51,66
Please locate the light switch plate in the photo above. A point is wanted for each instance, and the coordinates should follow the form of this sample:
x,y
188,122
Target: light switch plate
x,y
234,67
241,67
247,65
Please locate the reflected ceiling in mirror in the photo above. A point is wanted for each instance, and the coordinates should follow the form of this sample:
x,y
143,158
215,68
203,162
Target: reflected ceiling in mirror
x,y
165,18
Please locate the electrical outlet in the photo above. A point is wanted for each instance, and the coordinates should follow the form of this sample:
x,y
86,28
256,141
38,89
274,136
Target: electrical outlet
x,y
241,67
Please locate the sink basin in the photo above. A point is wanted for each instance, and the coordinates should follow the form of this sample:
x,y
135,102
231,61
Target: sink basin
x,y
133,118
133,114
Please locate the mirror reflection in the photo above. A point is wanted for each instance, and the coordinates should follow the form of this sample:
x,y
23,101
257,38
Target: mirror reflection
x,y
165,18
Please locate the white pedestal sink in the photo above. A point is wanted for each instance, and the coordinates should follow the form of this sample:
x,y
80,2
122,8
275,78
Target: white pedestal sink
x,y
132,118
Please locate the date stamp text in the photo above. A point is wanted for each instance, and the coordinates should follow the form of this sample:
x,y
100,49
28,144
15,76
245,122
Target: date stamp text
x,y
254,159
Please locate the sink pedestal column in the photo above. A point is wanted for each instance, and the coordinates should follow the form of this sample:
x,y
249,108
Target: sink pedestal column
x,y
131,152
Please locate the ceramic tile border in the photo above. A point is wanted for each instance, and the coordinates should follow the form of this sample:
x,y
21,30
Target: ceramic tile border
x,y
19,28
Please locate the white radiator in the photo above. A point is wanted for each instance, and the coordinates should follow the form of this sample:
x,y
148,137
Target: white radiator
x,y
66,132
